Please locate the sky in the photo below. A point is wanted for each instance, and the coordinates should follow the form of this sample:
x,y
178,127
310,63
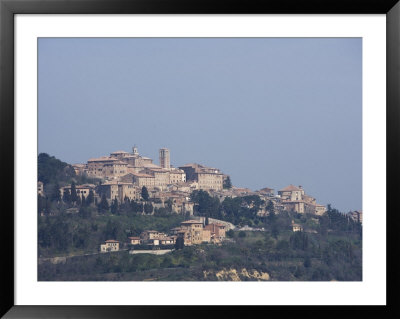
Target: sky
x,y
267,111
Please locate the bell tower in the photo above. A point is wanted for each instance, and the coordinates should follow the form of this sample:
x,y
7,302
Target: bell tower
x,y
135,150
164,158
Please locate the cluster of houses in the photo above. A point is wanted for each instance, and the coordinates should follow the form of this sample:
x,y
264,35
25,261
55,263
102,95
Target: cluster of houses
x,y
193,232
124,174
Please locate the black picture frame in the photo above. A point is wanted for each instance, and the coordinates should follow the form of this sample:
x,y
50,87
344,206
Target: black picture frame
x,y
8,8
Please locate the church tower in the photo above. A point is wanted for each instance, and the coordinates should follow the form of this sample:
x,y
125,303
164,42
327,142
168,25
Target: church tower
x,y
135,150
164,158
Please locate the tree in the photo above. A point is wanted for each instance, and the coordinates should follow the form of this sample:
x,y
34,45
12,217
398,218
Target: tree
x,y
136,207
114,206
275,231
83,201
148,208
51,170
103,205
90,198
227,183
55,194
74,195
207,221
180,243
230,233
169,204
41,204
78,200
145,193
67,196
270,207
307,262
85,212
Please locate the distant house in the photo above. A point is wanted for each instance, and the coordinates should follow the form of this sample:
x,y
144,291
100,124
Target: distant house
x,y
134,240
40,188
167,241
217,232
267,191
356,216
296,227
109,245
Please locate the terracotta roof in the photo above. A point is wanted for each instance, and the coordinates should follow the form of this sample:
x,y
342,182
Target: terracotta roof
x,y
192,222
290,188
135,238
119,152
266,189
102,159
142,175
112,241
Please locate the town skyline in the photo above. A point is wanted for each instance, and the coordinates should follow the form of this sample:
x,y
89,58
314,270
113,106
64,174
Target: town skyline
x,y
268,112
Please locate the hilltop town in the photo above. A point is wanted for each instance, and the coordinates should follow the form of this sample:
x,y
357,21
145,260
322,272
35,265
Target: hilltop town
x,y
125,202
125,176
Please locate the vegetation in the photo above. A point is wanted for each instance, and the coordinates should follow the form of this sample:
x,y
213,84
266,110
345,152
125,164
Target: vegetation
x,y
329,248
227,183
292,256
238,211
83,232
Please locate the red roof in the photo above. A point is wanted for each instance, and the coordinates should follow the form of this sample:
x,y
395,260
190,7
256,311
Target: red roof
x,y
290,188
191,222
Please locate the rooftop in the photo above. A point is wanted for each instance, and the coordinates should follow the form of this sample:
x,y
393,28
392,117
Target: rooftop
x,y
192,222
290,188
102,159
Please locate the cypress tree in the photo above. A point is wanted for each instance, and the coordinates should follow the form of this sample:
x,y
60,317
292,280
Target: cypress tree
x,y
227,183
145,193
103,206
67,196
90,198
55,194
74,196
114,206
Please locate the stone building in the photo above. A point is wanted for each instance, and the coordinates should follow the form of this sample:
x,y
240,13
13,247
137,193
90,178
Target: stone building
x,y
81,190
141,179
161,176
109,245
193,232
217,232
176,176
294,199
119,190
95,166
80,169
266,191
114,170
208,178
134,240
356,216
40,189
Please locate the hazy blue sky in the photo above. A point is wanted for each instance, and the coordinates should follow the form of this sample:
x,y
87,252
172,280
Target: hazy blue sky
x,y
268,111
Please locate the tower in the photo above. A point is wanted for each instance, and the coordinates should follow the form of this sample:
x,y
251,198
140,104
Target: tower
x,y
164,158
135,150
